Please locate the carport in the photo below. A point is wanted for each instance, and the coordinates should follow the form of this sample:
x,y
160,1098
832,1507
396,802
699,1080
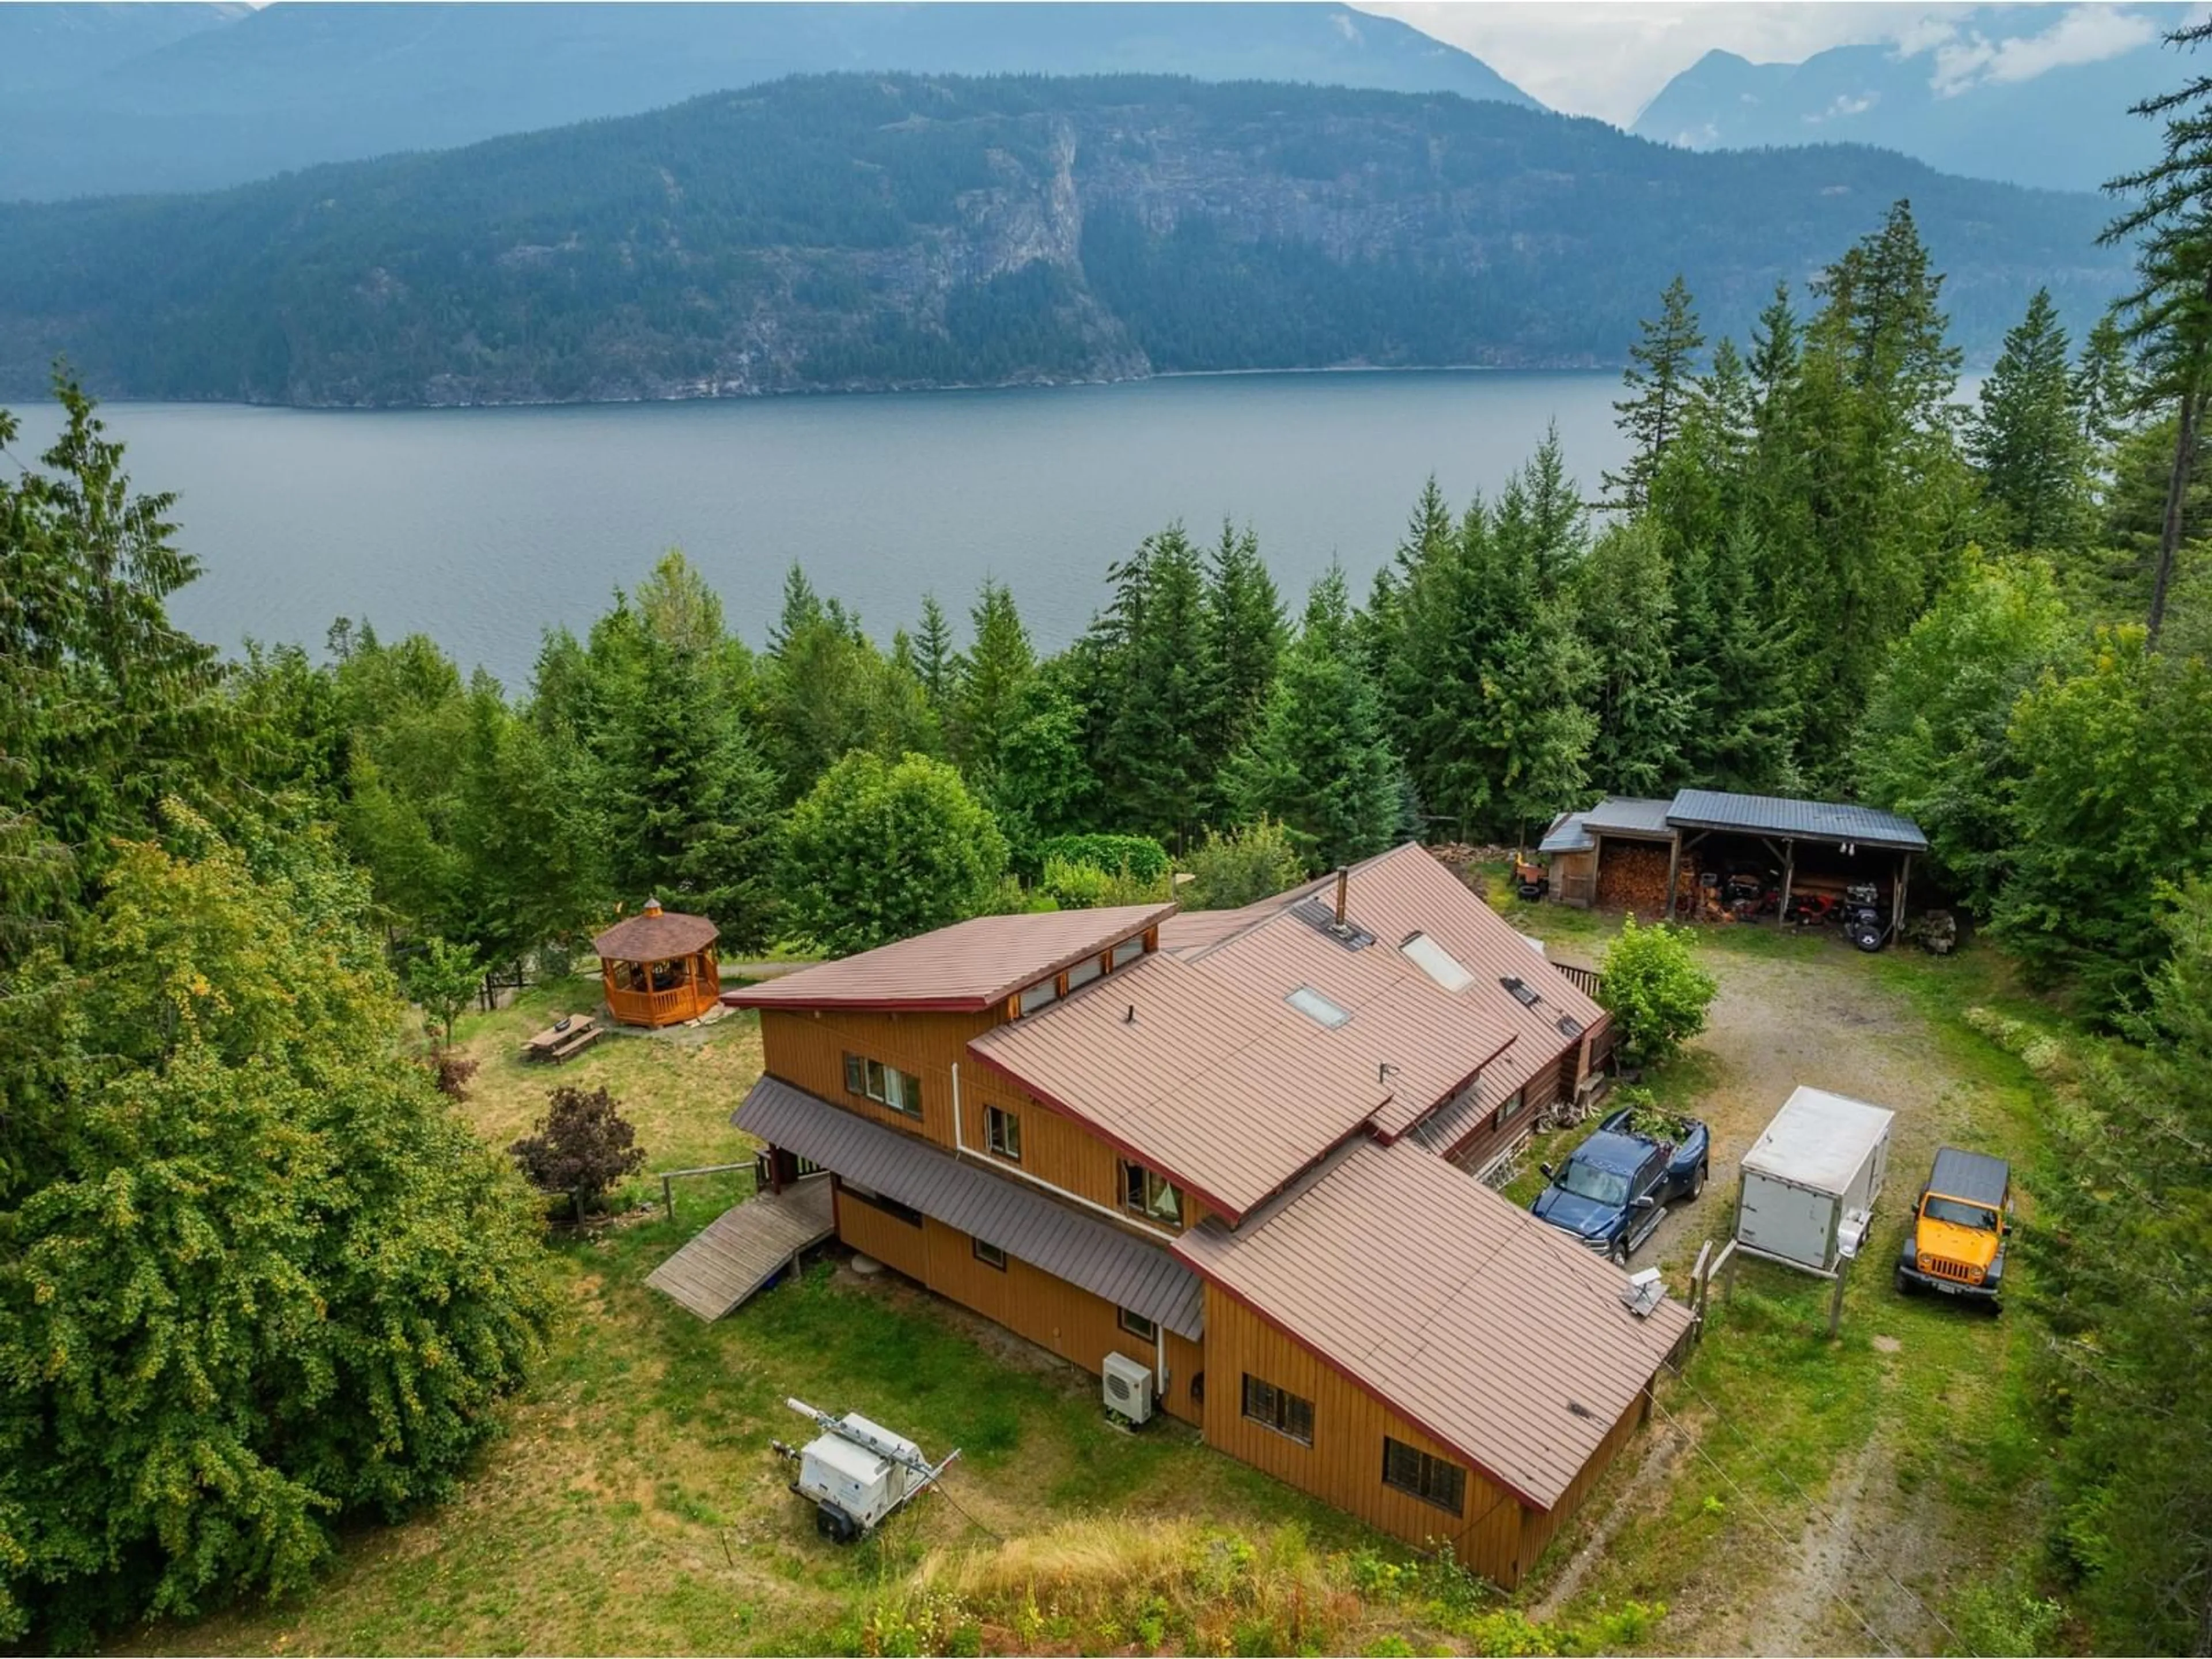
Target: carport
x,y
1849,841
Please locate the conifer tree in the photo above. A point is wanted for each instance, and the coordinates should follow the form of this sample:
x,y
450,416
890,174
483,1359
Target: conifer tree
x,y
1623,609
933,653
1244,634
985,681
1663,365
1153,649
1320,762
2027,436
2169,314
1775,347
690,801
2106,397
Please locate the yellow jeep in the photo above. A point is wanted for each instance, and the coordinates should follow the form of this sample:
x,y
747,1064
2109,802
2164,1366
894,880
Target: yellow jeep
x,y
1956,1243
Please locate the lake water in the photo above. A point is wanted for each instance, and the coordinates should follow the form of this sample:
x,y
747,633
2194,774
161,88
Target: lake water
x,y
482,527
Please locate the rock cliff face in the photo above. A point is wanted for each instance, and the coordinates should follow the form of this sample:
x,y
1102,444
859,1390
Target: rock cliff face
x,y
864,232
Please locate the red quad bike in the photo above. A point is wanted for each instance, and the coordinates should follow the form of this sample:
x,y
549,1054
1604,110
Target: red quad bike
x,y
1814,909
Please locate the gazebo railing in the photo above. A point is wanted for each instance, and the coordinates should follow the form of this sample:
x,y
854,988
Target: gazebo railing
x,y
684,1000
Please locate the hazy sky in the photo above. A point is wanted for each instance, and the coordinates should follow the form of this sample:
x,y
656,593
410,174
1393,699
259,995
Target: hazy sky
x,y
1606,58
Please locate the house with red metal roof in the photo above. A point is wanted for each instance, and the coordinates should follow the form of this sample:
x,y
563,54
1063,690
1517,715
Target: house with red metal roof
x,y
1241,1149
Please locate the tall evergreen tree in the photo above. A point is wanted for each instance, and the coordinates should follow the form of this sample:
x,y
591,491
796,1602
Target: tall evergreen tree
x,y
1775,349
1244,634
1877,513
1320,762
690,801
1663,365
933,655
2106,397
1623,609
1154,648
987,680
2027,439
2169,314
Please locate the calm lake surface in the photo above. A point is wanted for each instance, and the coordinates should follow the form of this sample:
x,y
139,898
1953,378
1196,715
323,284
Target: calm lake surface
x,y
483,527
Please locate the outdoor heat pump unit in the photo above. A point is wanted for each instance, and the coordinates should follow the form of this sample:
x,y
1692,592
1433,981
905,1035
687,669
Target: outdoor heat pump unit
x,y
1129,1384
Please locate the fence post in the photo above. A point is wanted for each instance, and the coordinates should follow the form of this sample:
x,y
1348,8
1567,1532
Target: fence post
x,y
668,1196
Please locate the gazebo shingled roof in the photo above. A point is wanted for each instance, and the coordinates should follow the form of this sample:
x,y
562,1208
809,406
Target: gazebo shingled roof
x,y
655,935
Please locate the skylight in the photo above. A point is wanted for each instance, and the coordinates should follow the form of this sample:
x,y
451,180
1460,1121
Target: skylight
x,y
1317,1008
1438,963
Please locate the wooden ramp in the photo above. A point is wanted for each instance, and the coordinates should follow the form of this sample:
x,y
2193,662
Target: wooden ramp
x,y
745,1246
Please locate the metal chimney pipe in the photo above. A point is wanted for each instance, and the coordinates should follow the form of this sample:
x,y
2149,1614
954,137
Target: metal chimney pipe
x,y
1343,890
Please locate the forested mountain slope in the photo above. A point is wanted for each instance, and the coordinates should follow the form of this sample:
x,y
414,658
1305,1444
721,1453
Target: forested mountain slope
x,y
849,232
295,85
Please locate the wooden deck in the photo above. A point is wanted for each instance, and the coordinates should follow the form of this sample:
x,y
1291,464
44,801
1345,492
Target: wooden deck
x,y
745,1246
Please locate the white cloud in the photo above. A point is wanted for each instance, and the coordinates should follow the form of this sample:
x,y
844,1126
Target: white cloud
x,y
1844,104
1610,57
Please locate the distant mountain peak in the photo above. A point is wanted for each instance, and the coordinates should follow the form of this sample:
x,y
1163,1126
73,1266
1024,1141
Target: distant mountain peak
x,y
2027,94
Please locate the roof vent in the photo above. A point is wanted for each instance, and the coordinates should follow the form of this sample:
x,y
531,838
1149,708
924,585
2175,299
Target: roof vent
x,y
1570,1026
1581,1410
1322,918
1522,991
652,906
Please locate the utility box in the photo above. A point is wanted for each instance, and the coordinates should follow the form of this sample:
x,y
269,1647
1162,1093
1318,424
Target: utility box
x,y
1809,1183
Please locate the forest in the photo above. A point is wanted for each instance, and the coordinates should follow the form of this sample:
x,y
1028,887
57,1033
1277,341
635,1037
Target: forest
x,y
851,232
260,1285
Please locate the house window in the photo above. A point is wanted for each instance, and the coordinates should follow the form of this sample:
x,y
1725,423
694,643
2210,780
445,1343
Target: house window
x,y
1128,951
886,1086
1035,997
1002,1132
1150,1195
1085,971
990,1255
1432,1479
1510,1109
1137,1325
1278,1409
876,1200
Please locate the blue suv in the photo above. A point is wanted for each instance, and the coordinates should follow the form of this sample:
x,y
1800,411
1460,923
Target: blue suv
x,y
1615,1189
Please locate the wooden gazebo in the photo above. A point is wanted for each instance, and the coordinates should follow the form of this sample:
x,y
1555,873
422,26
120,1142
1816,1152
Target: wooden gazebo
x,y
658,967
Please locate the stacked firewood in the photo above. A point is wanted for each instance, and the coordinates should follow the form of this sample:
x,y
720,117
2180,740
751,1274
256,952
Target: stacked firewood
x,y
1633,878
1458,854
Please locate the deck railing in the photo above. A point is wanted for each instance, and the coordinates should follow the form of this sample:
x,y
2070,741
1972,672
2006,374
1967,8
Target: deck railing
x,y
659,1007
1584,979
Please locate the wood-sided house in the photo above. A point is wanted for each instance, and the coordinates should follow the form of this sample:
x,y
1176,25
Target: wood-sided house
x,y
1236,1146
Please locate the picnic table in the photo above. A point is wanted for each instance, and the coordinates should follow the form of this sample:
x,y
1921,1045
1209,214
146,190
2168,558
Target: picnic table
x,y
564,1039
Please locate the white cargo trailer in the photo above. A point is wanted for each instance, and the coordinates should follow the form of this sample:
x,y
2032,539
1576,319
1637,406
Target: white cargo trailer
x,y
1809,1182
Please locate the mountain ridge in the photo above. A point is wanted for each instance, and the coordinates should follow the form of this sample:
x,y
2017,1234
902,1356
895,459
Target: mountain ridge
x,y
855,233
298,84
2066,128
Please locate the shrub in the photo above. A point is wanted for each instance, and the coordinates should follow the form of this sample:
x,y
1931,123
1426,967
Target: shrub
x,y
452,1073
1249,863
1658,996
1138,856
582,1146
1085,887
877,852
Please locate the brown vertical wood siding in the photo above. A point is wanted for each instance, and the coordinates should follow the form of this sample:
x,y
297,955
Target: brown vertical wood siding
x,y
874,1233
1541,1525
1344,1465
807,1048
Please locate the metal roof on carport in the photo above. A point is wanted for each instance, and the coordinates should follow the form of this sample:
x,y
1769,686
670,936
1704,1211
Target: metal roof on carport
x,y
1796,820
